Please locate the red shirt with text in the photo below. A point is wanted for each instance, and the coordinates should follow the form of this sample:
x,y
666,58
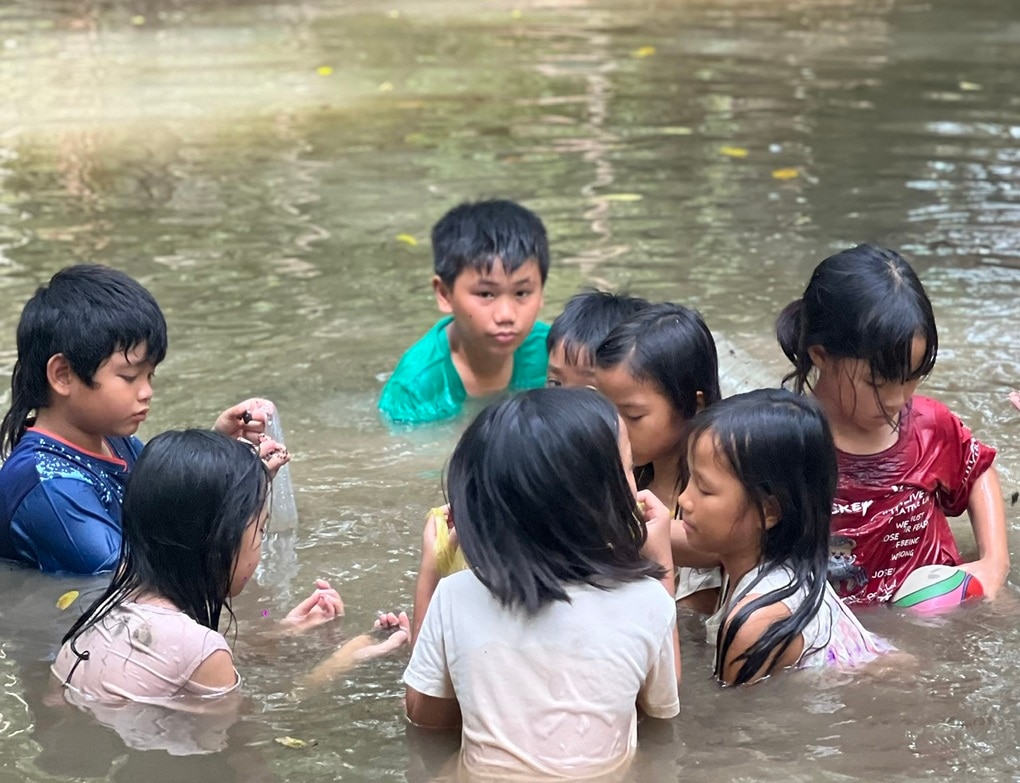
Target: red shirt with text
x,y
889,514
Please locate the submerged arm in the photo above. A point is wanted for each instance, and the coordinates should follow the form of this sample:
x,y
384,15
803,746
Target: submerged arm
x,y
988,519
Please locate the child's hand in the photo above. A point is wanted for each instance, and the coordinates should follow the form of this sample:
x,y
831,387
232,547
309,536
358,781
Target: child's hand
x,y
245,420
320,607
388,621
657,546
657,517
274,454
1014,397
992,576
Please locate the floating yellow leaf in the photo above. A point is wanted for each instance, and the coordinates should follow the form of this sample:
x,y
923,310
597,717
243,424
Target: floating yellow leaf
x,y
407,239
970,86
785,174
386,87
625,197
394,14
643,51
516,14
294,742
137,21
324,70
67,599
733,152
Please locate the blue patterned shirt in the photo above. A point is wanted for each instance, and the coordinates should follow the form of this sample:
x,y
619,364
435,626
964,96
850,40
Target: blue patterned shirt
x,y
60,506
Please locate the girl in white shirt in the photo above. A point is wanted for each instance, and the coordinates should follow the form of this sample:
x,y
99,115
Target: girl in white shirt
x,y
763,476
542,649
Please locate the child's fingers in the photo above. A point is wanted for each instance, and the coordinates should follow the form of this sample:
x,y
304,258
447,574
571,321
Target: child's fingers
x,y
653,507
330,602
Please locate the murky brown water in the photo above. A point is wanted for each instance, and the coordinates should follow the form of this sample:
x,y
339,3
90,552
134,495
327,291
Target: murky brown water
x,y
197,146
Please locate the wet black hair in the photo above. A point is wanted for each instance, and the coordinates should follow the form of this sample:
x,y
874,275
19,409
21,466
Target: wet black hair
x,y
671,346
542,501
477,234
863,303
779,447
187,504
87,313
587,319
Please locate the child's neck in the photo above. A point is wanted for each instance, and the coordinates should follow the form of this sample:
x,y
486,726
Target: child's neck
x,y
665,482
853,439
51,420
480,372
736,565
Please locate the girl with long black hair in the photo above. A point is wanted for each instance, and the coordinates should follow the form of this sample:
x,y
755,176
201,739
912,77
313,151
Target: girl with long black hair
x,y
762,478
194,515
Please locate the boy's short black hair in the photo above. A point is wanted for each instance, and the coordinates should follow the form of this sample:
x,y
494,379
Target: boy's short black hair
x,y
87,312
587,319
476,234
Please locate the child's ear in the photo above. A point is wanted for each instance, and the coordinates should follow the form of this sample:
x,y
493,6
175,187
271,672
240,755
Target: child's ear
x,y
819,358
699,401
773,513
58,375
443,294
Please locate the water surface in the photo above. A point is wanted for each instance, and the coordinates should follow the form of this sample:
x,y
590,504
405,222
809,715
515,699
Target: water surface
x,y
253,163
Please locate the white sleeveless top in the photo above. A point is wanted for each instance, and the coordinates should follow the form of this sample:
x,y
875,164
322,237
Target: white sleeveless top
x,y
833,637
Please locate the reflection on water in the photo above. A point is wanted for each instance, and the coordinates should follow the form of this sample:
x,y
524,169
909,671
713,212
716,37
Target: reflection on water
x,y
253,163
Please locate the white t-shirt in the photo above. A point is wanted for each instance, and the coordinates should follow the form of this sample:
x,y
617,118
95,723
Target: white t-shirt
x,y
554,693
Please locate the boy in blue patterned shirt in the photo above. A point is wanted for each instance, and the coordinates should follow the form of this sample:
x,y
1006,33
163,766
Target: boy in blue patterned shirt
x,y
88,346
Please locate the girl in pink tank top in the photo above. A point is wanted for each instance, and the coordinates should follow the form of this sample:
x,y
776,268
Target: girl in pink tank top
x,y
194,514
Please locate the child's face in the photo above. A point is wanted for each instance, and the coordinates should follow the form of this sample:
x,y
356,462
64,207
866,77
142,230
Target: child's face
x,y
250,553
716,514
870,404
494,311
118,400
561,372
654,427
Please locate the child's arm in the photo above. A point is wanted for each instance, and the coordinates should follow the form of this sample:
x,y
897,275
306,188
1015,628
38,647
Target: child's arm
x,y
657,547
217,671
428,575
754,627
62,525
430,712
988,518
360,649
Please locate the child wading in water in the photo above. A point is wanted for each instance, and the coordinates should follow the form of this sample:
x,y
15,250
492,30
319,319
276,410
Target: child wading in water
x,y
542,649
194,515
659,367
861,339
763,473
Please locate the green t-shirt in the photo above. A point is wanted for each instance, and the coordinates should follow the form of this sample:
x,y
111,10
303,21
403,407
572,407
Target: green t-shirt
x,y
425,386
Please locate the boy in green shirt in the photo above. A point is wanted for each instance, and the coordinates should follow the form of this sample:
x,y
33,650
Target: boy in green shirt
x,y
491,260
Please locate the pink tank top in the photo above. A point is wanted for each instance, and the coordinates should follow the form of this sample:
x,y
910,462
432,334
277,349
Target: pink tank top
x,y
141,653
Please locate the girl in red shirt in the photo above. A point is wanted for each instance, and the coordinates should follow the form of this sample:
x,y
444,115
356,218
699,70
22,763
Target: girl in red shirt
x,y
861,339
